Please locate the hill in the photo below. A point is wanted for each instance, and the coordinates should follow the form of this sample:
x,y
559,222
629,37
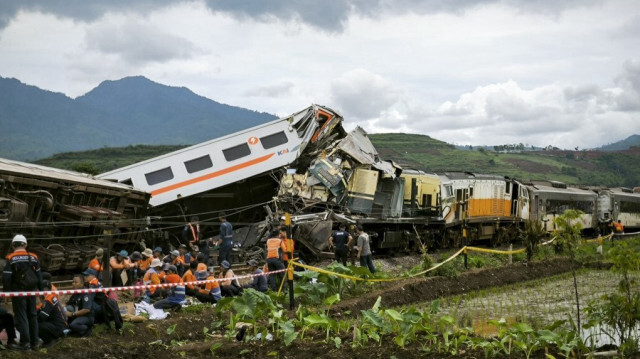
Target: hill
x,y
134,110
631,141
618,168
423,152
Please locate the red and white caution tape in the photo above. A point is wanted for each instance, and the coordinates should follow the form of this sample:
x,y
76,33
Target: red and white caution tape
x,y
133,287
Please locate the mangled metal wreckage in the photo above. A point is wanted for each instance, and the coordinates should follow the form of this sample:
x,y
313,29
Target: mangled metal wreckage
x,y
304,164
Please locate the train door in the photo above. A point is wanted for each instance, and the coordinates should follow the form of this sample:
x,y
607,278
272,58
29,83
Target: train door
x,y
523,203
515,202
462,200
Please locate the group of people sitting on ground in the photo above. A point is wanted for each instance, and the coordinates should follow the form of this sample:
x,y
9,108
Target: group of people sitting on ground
x,y
50,320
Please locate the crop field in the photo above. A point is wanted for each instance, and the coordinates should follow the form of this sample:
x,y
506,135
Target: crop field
x,y
538,303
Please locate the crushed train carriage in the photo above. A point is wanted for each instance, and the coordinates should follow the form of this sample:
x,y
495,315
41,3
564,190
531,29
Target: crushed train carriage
x,y
66,215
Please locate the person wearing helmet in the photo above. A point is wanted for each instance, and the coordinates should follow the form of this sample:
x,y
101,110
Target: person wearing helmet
x,y
21,274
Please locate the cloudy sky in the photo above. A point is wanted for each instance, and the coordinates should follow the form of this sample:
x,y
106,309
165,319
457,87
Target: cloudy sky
x,y
542,72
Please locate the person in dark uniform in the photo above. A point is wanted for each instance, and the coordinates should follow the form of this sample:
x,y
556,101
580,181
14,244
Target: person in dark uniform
x,y
341,240
22,273
226,239
79,309
51,319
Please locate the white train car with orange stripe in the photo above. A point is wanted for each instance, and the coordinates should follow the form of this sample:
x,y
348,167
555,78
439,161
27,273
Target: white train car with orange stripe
x,y
229,159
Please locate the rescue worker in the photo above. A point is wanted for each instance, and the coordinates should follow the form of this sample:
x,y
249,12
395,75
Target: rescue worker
x,y
364,250
152,277
117,265
210,291
52,321
157,253
184,259
275,247
618,227
176,294
191,232
193,254
96,262
259,282
226,239
134,271
22,273
79,309
145,262
341,241
177,259
190,276
229,286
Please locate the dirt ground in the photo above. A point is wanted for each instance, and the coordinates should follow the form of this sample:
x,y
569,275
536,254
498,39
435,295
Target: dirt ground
x,y
188,339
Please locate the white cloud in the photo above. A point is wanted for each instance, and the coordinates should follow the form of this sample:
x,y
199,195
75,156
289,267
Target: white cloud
x,y
478,72
362,94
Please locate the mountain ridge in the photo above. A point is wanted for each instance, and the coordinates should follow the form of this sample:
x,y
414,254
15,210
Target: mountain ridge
x,y
132,110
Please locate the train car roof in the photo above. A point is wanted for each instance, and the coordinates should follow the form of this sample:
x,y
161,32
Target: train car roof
x,y
624,193
414,172
18,168
538,187
471,175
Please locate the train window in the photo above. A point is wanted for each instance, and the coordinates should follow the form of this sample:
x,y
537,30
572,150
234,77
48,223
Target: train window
x,y
629,207
448,191
470,191
239,151
198,164
274,140
508,188
426,201
159,176
560,206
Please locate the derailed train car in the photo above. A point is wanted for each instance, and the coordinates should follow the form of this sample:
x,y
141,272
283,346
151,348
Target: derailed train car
x,y
66,215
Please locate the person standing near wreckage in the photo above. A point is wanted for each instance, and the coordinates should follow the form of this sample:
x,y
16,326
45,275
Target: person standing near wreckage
x,y
22,274
341,241
364,250
226,239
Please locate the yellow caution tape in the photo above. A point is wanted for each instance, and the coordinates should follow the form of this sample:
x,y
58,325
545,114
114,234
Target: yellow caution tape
x,y
484,250
463,250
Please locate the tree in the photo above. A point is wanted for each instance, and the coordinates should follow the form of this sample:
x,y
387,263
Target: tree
x,y
532,236
568,232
